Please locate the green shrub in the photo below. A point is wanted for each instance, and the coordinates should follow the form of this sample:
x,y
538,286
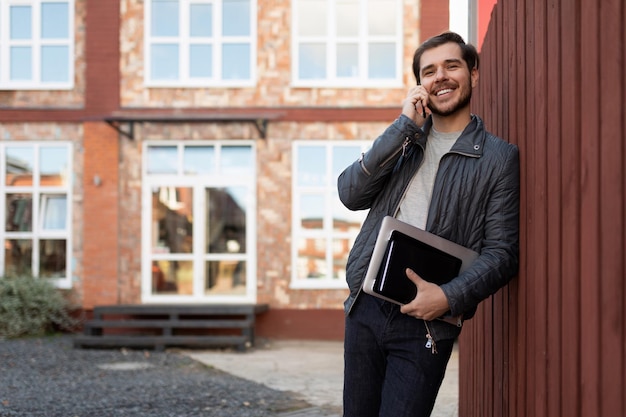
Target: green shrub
x,y
33,307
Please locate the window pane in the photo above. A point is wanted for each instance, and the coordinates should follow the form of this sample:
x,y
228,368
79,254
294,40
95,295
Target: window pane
x,y
343,156
341,249
201,16
236,17
54,21
311,261
382,17
344,220
172,277
311,166
201,61
226,220
236,62
172,220
165,17
53,168
21,22
312,211
18,257
21,63
347,60
20,162
312,18
162,160
312,61
198,160
382,60
55,63
347,21
52,258
226,277
237,160
19,213
164,62
53,212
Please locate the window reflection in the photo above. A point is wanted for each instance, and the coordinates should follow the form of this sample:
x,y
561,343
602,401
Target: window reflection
x,y
172,220
227,277
53,212
237,160
312,211
164,18
236,17
20,22
19,213
199,160
18,256
172,277
162,160
226,220
52,258
311,166
312,258
20,162
53,166
54,20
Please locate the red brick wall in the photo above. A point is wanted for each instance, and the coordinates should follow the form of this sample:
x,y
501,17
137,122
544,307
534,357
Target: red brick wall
x,y
435,18
101,215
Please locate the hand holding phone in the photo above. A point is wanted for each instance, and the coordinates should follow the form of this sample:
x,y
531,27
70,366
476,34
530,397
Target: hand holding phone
x,y
416,97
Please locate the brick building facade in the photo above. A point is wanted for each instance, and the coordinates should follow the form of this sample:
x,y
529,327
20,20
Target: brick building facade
x,y
141,211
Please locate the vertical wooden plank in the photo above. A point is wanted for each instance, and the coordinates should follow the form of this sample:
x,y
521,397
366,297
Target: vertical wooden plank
x,y
509,389
538,176
554,244
522,335
531,275
498,300
611,210
570,87
590,198
623,105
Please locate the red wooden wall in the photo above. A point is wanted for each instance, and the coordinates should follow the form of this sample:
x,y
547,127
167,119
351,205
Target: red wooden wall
x,y
553,343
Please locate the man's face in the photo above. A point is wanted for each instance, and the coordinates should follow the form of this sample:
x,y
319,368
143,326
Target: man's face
x,y
448,80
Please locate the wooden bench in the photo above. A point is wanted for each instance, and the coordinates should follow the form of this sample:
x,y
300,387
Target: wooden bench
x,y
160,326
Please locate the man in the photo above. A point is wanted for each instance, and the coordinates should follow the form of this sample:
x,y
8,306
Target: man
x,y
448,175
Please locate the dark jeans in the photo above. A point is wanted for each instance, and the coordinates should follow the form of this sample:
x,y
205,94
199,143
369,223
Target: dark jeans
x,y
389,371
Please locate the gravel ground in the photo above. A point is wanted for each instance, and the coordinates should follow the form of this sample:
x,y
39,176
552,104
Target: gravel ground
x,y
47,377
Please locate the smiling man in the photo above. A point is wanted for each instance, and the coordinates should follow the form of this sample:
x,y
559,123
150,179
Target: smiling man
x,y
443,172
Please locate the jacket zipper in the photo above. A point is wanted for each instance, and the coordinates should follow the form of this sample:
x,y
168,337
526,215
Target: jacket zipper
x,y
402,149
430,341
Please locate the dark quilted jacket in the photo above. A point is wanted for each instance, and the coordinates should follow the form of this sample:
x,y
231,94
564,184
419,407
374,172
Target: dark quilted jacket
x,y
475,203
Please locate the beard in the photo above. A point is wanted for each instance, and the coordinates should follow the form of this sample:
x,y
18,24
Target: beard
x,y
449,109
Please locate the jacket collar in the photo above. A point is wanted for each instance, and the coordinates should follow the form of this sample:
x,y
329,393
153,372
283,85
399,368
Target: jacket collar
x,y
472,139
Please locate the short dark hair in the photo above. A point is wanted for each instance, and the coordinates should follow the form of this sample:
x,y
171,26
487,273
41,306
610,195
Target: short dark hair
x,y
468,51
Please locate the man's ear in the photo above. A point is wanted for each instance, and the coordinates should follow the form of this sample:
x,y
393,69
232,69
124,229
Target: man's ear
x,y
474,76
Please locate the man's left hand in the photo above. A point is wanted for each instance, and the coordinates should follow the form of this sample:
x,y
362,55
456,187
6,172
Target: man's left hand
x,y
430,301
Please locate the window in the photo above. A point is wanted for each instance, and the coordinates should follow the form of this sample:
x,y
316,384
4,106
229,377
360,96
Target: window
x,y
347,43
36,195
199,223
196,43
323,229
36,44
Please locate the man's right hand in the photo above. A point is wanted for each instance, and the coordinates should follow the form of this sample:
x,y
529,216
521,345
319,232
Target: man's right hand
x,y
416,104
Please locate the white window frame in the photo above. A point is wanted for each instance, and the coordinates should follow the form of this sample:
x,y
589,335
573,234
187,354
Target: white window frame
x,y
36,42
183,40
37,191
198,256
329,191
331,41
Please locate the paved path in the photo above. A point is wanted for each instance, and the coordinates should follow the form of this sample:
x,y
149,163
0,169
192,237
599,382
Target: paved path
x,y
314,369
